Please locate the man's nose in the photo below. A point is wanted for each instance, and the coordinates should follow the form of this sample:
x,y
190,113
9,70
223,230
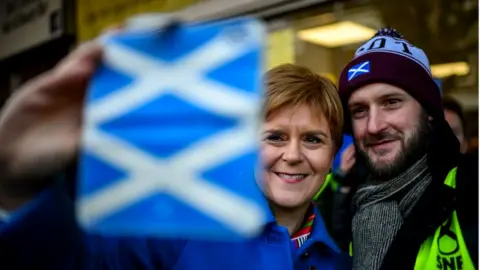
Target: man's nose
x,y
376,122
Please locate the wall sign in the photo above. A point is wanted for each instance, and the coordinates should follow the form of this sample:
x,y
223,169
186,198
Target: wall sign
x,y
93,16
28,23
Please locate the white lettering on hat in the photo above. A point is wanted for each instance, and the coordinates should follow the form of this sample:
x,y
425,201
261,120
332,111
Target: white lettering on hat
x,y
396,46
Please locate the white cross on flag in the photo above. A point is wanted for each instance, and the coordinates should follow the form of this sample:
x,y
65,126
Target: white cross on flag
x,y
170,137
359,69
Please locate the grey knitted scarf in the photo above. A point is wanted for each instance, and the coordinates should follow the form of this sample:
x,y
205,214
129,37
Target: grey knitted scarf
x,y
379,213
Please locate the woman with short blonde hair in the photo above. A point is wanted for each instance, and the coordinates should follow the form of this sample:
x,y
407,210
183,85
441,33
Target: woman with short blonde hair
x,y
300,137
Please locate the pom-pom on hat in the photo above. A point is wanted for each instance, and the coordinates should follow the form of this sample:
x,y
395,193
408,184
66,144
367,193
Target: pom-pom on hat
x,y
389,58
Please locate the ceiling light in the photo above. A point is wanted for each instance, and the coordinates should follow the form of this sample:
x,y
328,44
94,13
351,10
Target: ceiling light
x,y
337,34
449,69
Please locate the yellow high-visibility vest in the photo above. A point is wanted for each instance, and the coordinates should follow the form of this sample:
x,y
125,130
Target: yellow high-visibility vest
x,y
446,249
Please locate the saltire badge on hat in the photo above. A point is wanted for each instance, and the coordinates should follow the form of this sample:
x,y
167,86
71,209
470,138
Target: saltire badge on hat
x,y
358,70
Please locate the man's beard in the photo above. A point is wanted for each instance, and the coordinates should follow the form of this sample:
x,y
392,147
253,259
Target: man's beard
x,y
412,150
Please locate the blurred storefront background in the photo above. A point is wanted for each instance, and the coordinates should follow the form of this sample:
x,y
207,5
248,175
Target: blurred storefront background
x,y
325,37
320,34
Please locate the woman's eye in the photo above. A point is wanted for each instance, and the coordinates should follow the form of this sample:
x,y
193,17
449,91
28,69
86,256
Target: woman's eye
x,y
312,139
274,138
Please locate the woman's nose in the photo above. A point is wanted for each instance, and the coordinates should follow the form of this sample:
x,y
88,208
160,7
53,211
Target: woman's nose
x,y
293,153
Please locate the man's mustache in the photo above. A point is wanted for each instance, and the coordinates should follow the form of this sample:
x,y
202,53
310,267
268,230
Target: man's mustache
x,y
380,138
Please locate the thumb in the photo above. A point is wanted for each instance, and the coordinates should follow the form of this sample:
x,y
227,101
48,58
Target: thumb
x,y
86,56
78,67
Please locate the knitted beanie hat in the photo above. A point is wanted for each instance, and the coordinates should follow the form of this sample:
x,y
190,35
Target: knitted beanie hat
x,y
389,58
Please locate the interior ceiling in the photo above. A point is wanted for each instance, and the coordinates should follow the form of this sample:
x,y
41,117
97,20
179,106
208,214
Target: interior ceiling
x,y
446,29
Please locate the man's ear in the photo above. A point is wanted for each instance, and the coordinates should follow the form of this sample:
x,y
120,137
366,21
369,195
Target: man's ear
x,y
430,118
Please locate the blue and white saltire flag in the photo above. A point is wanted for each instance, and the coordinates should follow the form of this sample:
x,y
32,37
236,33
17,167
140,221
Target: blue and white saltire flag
x,y
359,69
170,139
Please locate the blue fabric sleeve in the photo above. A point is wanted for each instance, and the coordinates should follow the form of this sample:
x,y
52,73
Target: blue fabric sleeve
x,y
347,141
8,218
43,234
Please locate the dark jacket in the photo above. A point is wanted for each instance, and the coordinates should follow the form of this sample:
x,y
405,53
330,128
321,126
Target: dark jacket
x,y
433,208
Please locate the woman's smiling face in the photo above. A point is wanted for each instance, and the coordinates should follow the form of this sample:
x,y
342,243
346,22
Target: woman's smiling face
x,y
297,152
